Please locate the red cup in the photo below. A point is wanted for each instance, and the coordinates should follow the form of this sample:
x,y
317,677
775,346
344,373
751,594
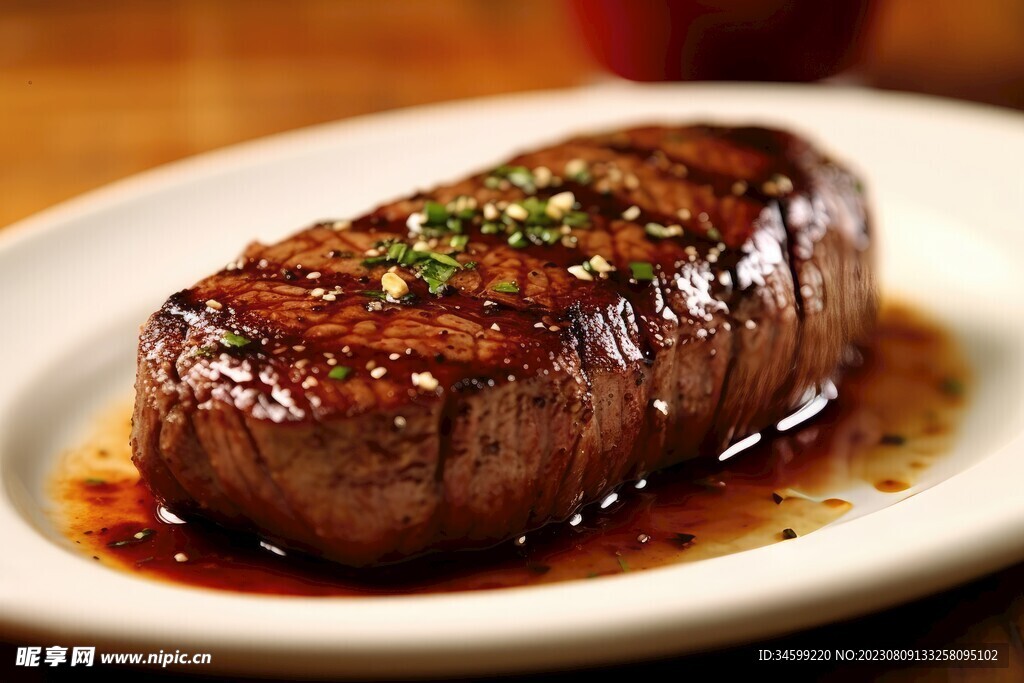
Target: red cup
x,y
757,40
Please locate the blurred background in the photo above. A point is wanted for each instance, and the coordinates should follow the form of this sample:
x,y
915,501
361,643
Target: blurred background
x,y
95,91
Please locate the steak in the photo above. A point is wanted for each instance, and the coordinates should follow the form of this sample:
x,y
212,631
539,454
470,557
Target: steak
x,y
469,363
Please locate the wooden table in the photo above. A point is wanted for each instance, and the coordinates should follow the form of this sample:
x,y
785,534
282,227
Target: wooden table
x,y
92,92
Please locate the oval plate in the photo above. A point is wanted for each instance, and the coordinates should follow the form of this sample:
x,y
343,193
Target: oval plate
x,y
948,191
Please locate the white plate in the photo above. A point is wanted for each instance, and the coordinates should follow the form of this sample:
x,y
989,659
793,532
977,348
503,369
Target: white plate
x,y
949,190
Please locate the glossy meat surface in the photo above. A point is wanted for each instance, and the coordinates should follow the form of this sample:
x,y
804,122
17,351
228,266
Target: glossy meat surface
x,y
600,308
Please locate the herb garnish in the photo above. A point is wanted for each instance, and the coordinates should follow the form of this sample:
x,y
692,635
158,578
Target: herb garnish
x,y
520,176
506,287
518,240
381,295
576,219
578,170
435,268
661,232
623,565
642,271
435,213
398,252
436,272
137,538
236,341
439,219
339,372
445,259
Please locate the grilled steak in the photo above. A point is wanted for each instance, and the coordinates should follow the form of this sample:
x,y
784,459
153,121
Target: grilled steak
x,y
469,363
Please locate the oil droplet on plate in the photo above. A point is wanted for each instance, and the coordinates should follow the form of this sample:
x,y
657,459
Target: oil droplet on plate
x,y
891,486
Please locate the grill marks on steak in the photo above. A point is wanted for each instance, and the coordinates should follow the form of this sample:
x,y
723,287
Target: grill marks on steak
x,y
548,397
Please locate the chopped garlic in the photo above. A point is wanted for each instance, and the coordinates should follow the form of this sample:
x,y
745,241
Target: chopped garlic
x,y
394,285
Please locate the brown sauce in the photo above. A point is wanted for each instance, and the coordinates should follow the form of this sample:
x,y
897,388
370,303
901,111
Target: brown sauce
x,y
897,412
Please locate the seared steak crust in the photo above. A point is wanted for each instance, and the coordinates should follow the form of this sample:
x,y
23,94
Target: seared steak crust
x,y
478,412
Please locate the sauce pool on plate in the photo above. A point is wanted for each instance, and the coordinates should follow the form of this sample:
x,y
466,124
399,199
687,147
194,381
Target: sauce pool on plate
x,y
897,410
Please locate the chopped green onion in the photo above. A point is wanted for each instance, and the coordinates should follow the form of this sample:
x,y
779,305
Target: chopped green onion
x,y
463,207
409,257
235,340
520,176
576,219
714,234
396,251
537,211
339,372
435,213
544,235
642,271
578,170
490,228
623,565
459,241
506,287
658,231
518,240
